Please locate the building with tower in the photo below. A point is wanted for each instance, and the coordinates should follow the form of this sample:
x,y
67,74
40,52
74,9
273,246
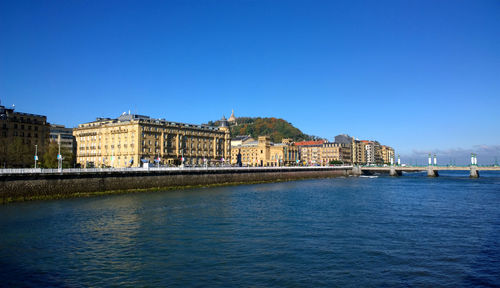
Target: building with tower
x,y
232,119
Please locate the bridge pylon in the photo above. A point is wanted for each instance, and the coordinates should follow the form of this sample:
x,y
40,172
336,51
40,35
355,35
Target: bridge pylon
x,y
394,172
474,173
431,172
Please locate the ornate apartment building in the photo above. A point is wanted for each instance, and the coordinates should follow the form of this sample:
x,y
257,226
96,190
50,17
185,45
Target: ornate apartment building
x,y
263,152
130,140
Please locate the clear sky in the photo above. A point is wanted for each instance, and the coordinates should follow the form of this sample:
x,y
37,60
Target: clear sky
x,y
416,75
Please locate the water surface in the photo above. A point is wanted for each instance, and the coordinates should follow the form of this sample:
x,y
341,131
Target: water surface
x,y
346,232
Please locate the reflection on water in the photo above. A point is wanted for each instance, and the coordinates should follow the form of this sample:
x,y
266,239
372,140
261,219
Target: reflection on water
x,y
383,231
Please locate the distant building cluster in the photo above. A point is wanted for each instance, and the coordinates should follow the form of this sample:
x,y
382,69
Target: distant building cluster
x,y
247,151
132,140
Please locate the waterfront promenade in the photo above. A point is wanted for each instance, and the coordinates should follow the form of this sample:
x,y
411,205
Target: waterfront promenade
x,y
31,184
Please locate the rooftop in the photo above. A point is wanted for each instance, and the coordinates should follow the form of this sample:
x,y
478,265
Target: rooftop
x,y
124,118
310,143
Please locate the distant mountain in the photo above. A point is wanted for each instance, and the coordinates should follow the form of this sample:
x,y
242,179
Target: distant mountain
x,y
276,128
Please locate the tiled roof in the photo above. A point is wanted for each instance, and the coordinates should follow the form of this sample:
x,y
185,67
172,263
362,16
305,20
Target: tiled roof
x,y
309,143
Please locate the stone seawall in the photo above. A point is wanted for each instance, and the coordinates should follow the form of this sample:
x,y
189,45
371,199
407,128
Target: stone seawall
x,y
45,186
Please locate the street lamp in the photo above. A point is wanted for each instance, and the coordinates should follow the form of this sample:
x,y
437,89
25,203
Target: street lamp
x,y
59,156
36,154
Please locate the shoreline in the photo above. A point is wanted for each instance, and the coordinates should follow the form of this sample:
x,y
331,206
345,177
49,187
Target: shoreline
x,y
65,186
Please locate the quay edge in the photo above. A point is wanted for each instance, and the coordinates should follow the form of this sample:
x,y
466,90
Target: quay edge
x,y
32,186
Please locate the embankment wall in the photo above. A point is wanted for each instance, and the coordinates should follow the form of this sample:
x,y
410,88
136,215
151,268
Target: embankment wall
x,y
46,186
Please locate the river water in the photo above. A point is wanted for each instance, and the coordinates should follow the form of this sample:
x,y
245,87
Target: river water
x,y
339,232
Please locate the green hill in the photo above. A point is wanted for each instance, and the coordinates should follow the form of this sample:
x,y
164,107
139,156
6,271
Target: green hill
x,y
276,128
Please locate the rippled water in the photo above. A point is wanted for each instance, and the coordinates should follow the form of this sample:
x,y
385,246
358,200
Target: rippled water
x,y
357,232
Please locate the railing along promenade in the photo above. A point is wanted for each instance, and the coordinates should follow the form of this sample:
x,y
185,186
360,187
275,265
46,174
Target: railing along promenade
x,y
20,171
432,170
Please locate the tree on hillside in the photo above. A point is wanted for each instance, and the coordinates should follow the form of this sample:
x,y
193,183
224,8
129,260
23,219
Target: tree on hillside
x,y
275,128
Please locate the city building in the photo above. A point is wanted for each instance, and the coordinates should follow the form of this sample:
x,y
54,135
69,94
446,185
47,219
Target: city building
x,y
358,152
322,152
263,152
21,135
63,136
366,152
130,140
384,154
310,152
369,150
335,152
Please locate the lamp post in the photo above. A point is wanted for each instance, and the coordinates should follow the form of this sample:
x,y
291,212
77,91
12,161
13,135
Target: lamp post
x,y
182,158
59,156
36,154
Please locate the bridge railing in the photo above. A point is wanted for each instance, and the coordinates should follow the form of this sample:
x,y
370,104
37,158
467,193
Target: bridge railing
x,y
425,166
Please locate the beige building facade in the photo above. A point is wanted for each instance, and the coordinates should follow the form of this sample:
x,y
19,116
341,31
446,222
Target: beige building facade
x,y
264,153
131,140
385,154
370,152
322,152
335,152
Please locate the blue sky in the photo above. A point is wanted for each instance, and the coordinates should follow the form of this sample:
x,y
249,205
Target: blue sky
x,y
416,75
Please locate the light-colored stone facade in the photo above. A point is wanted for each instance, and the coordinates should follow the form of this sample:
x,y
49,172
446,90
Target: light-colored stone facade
x,y
310,152
265,153
322,152
370,152
386,154
131,140
335,152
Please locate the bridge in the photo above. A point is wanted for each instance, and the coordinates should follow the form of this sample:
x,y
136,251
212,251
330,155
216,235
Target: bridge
x,y
432,170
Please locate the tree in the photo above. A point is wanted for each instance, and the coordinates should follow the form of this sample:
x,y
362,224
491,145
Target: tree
x,y
18,154
49,158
